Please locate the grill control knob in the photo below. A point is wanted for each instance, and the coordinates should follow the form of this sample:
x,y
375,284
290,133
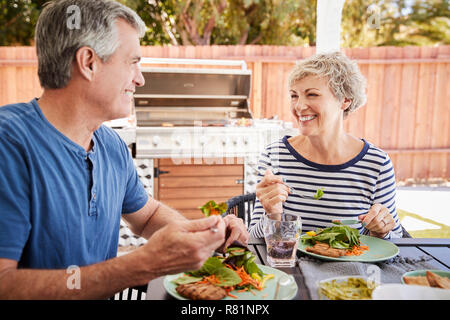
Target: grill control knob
x,y
156,140
225,140
235,141
177,140
246,139
203,140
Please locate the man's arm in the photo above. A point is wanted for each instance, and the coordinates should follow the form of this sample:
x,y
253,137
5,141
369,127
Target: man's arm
x,y
152,217
155,215
176,247
97,281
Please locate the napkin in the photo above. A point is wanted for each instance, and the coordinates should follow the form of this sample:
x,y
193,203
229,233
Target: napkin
x,y
389,271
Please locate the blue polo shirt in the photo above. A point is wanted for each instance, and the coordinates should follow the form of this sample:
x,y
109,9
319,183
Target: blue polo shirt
x,y
61,205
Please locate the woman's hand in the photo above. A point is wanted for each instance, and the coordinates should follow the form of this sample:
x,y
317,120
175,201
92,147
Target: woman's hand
x,y
272,192
378,220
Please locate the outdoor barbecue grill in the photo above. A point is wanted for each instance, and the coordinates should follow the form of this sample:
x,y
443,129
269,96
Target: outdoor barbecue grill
x,y
189,108
198,111
181,96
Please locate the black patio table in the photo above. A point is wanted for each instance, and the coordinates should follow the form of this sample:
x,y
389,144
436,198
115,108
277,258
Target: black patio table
x,y
438,250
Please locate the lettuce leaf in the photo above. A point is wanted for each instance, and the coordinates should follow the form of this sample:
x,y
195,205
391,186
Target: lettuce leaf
x,y
209,267
186,279
339,237
214,266
227,277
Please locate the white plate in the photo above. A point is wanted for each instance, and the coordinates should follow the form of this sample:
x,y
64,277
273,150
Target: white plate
x,y
393,291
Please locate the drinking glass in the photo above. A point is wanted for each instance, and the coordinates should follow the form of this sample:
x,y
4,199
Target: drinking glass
x,y
282,233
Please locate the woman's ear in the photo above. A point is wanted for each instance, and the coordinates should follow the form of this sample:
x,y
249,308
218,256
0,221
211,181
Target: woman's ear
x,y
346,104
85,62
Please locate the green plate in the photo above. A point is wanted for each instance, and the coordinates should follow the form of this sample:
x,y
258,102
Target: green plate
x,y
267,293
423,273
379,250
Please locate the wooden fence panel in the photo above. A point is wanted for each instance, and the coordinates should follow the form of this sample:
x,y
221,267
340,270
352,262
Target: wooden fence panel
x,y
441,122
407,111
424,108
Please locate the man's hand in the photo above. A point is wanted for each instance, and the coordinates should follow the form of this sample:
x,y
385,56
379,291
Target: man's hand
x,y
235,231
181,246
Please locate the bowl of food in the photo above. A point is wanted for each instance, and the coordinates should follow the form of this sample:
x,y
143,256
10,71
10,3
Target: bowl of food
x,y
346,288
397,291
427,278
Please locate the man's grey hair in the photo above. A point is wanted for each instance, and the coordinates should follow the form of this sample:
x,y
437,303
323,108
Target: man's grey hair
x,y
57,41
344,77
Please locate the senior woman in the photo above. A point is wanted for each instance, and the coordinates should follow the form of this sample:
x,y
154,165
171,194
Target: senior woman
x,y
356,177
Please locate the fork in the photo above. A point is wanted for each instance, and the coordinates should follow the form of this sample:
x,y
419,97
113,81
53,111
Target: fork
x,y
298,192
348,222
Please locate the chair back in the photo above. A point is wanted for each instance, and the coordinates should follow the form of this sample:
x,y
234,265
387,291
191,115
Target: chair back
x,y
133,293
242,207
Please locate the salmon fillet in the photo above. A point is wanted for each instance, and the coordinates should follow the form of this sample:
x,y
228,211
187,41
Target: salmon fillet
x,y
325,250
201,291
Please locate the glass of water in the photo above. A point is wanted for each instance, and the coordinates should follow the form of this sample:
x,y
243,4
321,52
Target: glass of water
x,y
282,233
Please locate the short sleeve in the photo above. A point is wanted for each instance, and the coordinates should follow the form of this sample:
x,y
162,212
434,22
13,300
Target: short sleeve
x,y
135,195
15,204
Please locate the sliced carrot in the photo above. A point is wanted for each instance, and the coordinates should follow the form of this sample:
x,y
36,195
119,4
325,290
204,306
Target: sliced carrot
x,y
357,250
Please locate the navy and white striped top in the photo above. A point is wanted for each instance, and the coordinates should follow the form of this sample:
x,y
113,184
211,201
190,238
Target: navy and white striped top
x,y
350,189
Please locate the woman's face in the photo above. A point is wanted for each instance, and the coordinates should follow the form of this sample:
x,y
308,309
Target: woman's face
x,y
314,107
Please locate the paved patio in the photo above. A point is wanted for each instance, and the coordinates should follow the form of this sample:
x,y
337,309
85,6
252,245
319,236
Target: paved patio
x,y
425,211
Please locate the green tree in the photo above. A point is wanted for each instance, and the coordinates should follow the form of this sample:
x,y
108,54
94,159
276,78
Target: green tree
x,y
198,22
179,22
426,23
305,22
18,18
274,22
257,22
158,17
395,22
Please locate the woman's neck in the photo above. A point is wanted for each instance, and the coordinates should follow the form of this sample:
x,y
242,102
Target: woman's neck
x,y
331,149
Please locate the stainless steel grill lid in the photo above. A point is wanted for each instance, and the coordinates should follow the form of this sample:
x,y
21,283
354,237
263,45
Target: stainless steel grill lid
x,y
180,96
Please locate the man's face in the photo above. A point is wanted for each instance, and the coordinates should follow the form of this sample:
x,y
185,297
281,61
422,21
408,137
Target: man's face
x,y
118,77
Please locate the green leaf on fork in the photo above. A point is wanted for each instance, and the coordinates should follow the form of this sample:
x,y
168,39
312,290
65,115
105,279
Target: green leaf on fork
x,y
319,194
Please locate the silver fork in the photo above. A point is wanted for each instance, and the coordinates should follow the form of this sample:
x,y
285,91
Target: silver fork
x,y
298,192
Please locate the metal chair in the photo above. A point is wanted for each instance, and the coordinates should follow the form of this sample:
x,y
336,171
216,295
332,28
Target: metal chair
x,y
242,207
133,293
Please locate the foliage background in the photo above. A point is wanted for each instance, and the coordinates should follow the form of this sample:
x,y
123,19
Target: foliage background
x,y
262,22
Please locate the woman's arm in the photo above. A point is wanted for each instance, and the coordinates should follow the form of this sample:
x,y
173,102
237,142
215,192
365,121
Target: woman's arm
x,y
271,193
382,219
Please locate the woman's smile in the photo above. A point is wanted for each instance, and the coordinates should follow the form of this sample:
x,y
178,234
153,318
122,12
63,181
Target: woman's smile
x,y
306,118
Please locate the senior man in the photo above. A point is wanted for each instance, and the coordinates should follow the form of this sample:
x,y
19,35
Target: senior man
x,y
66,180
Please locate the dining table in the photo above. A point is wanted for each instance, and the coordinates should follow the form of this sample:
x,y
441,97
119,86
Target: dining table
x,y
414,253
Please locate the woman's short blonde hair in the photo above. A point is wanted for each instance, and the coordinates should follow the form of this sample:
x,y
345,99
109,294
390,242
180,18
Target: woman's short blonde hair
x,y
344,77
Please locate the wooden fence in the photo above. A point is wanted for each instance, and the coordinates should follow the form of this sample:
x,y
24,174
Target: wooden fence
x,y
407,112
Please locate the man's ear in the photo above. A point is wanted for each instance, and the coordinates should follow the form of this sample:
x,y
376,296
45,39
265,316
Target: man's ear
x,y
86,62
